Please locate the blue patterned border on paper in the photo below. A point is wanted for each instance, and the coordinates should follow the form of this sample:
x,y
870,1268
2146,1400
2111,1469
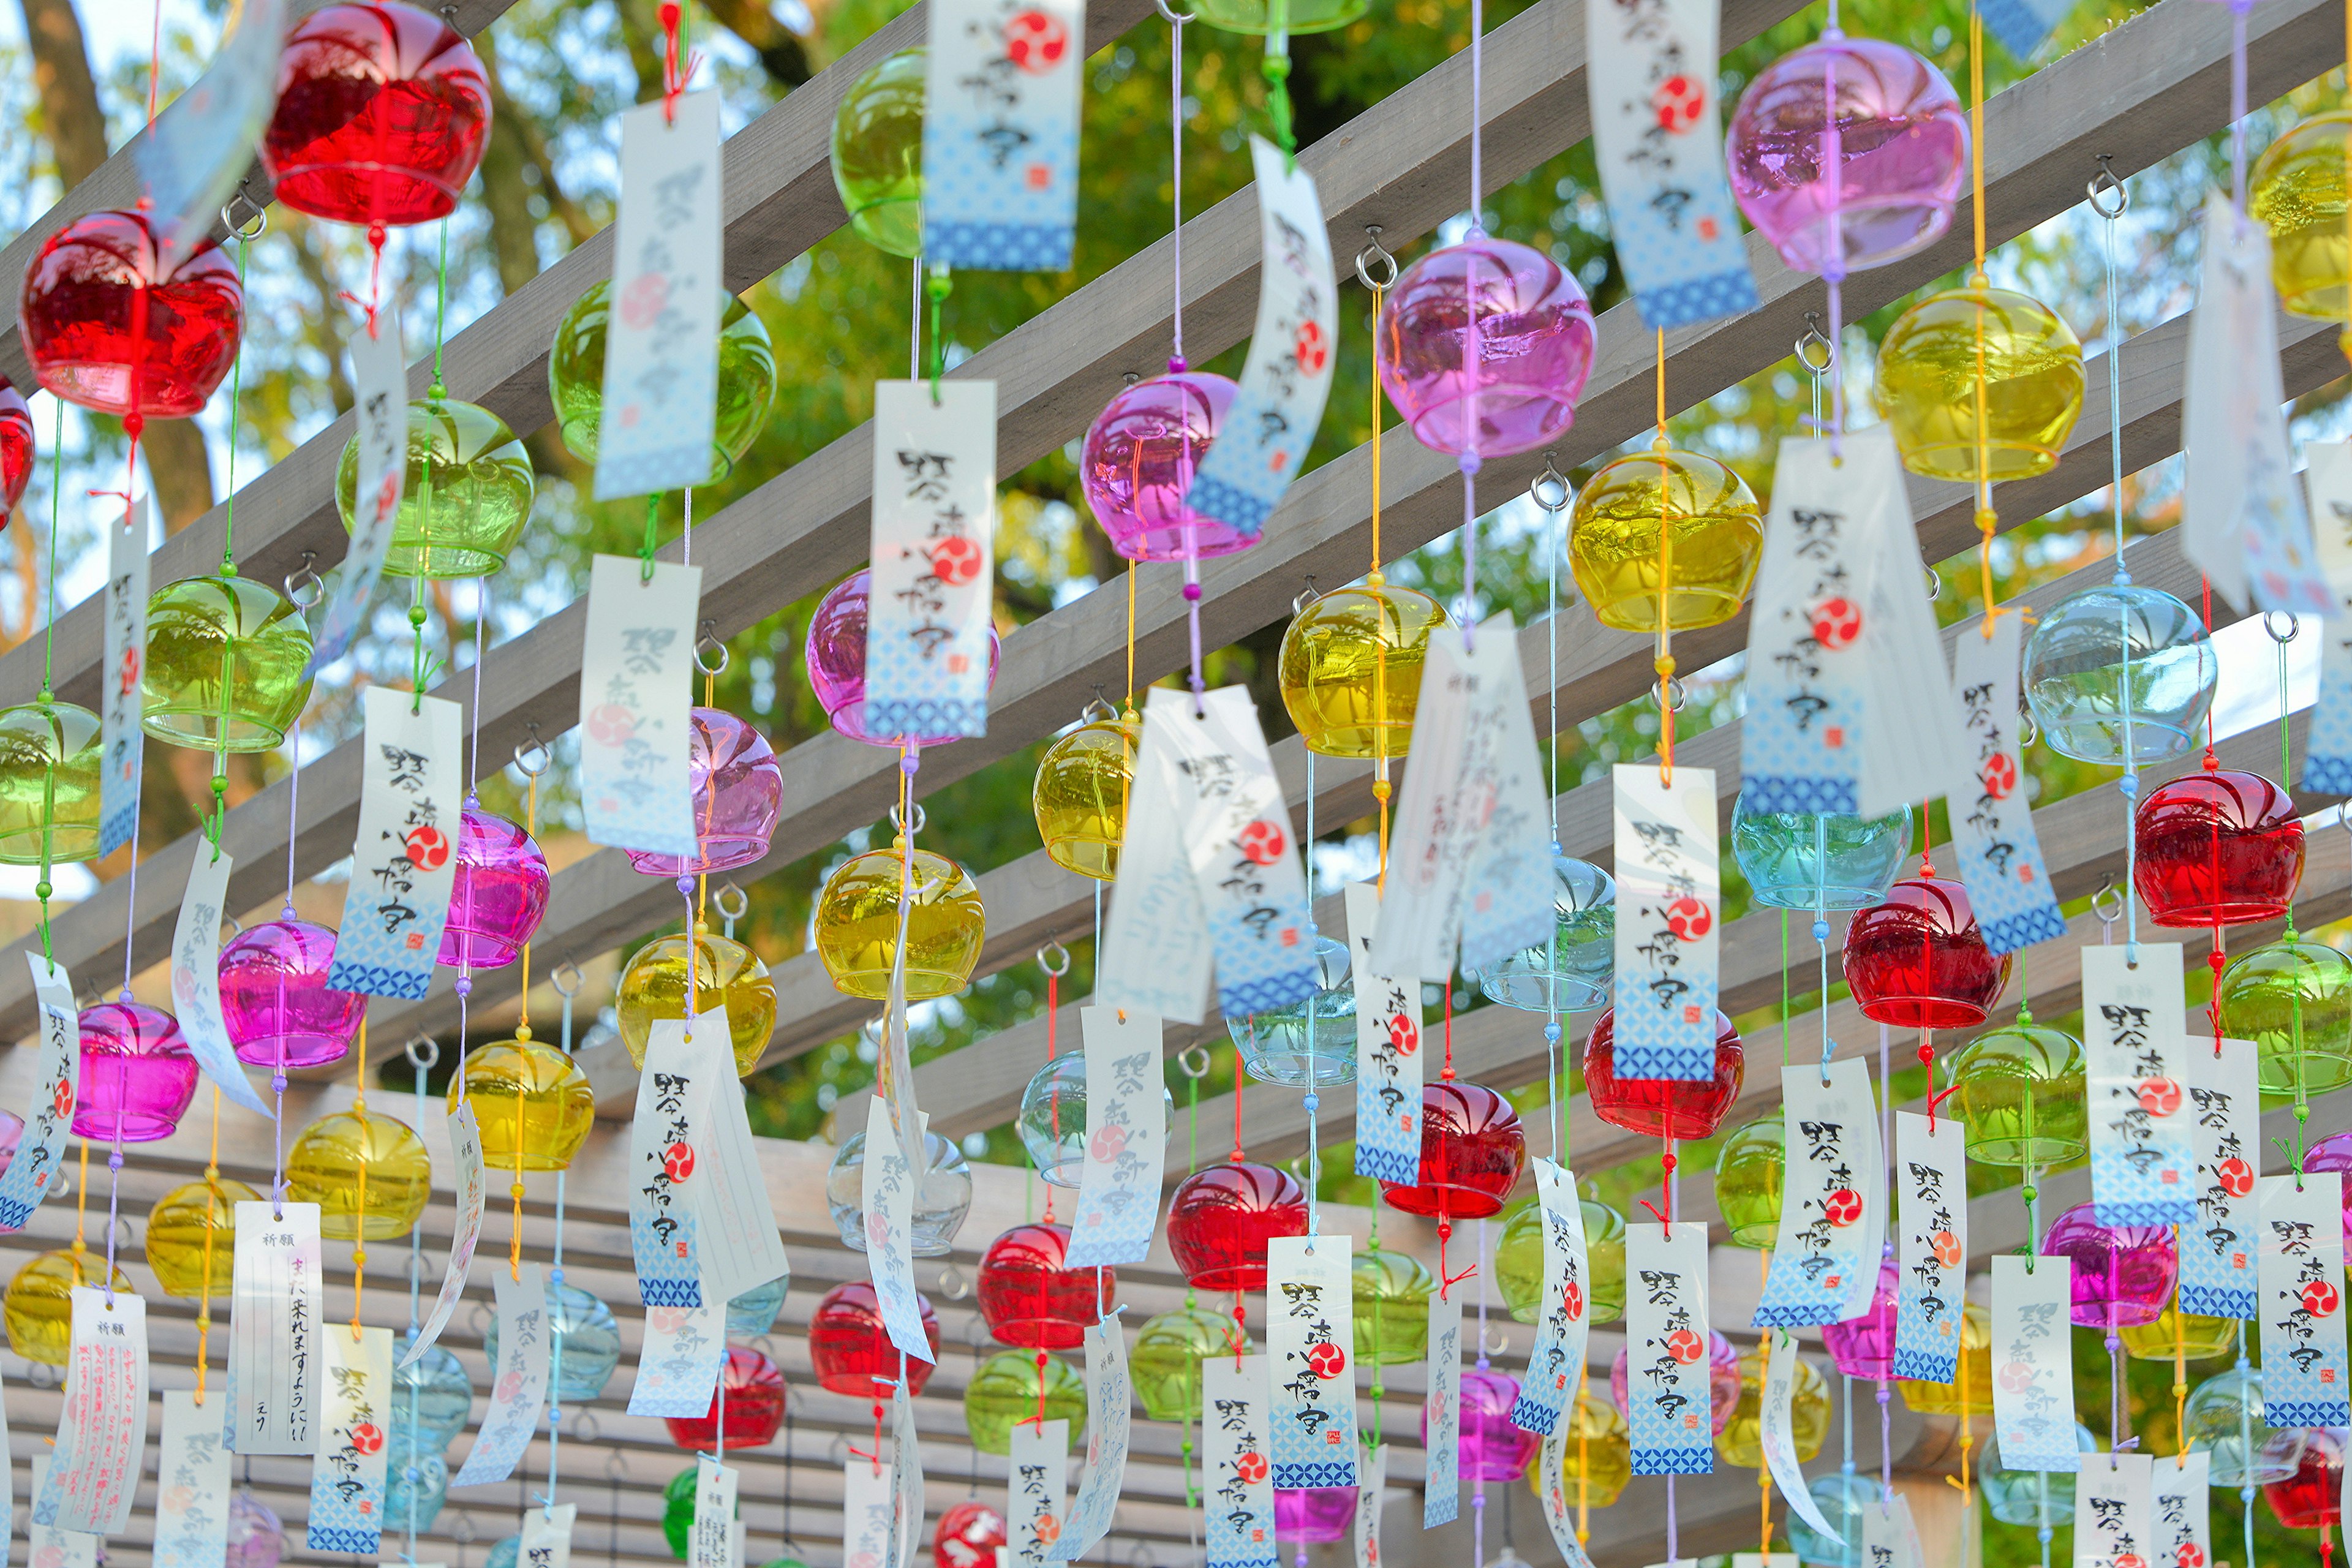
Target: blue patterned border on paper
x,y
2307,1412
1002,246
1534,1415
1923,1367
1699,300
367,960
663,1278
1791,1300
1774,793
1314,1473
1651,1044
2017,932
332,1538
661,468
2327,775
1013,211
2023,25
2122,1194
1930,1351
1380,1163
1692,267
1229,503
114,832
1700,1461
2211,1301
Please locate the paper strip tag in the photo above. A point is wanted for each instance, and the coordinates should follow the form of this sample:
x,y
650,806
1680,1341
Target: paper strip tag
x,y
710,1543
1155,944
56,1089
518,1384
1651,76
122,738
1037,1484
1109,1395
636,790
2180,1512
1559,1506
2034,1363
404,858
907,1473
1388,1052
1669,905
1127,1139
1441,1490
933,549
49,1547
2143,1164
1992,825
1372,1465
1931,1199
1471,866
887,1194
9,1478
2301,1266
1237,1474
868,1508
2114,1527
1833,1232
1001,134
102,1430
273,1368
1563,1322
666,1150
348,1474
196,981
2217,1251
731,1201
661,331
677,1369
1776,1425
472,1183
2025,25
547,1536
1310,1330
192,1485
1889,1538
1764,1559
2243,518
191,158
1665,1339
2327,752
1293,354
379,410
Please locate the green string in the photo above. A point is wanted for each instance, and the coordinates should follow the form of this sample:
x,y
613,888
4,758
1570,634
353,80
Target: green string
x,y
653,527
1275,68
2302,1090
436,392
236,398
44,888
936,286
1784,988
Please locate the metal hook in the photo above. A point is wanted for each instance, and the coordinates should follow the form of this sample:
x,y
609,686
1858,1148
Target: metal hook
x,y
708,643
1176,17
1676,693
1046,963
1097,711
2293,626
423,1052
898,821
2108,904
537,748
2104,181
1935,583
1304,597
616,1469
1193,1062
585,1429
733,903
258,215
2029,729
571,988
1550,483
303,579
1814,335
1375,254
952,1284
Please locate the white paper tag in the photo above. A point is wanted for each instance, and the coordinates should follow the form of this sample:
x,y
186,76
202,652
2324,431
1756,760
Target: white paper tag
x,y
2025,25
1560,1508
1832,1230
1650,77
661,331
518,1384
191,158
1931,1197
1001,134
1293,354
1237,1470
192,1485
906,1477
2300,1266
887,1193
1109,1395
2114,1527
472,1183
347,1476
2180,1512
1776,1425
1310,1333
49,1547
636,689
2327,749
1155,942
1441,1490
1669,905
1126,1139
56,1089
667,1151
102,1430
121,737
710,1543
2034,1363
1889,1538
2217,1251
868,1507
677,1370
1993,824
1037,1488
1667,1340
2243,519
404,859
1372,1465
547,1536
1564,1321
732,1201
1470,870
1388,1052
380,408
2143,1165
196,981
274,1370
933,549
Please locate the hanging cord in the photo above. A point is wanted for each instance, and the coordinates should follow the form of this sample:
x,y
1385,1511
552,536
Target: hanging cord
x,y
566,978
47,701
1478,1483
1665,659
1549,492
212,1218
1833,237
359,1237
1987,520
2286,770
1176,20
675,73
1310,1102
1276,69
1376,269
1473,358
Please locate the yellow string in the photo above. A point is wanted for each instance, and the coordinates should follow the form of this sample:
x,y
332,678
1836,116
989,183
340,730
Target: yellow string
x,y
1583,1462
359,1239
1382,788
81,1213
1987,520
1131,639
1380,294
2180,1372
1665,660
204,1295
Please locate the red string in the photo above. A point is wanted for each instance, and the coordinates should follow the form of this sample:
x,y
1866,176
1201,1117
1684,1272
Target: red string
x,y
1666,1215
1447,1075
1054,1109
673,77
1240,1075
154,72
1446,1282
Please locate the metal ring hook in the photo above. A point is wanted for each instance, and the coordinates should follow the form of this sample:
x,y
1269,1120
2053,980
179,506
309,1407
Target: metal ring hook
x,y
537,748
567,987
1185,1060
1676,693
1304,597
585,1429
1177,18
258,215
1097,710
1814,335
423,1052
2293,626
2108,904
1551,482
708,643
1375,254
1046,963
733,903
616,1469
902,826
2104,181
304,580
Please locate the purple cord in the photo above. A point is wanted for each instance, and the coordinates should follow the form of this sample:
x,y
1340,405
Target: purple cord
x,y
1834,238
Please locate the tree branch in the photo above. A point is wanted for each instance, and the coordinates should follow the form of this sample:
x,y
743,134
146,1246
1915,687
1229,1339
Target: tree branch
x,y
786,60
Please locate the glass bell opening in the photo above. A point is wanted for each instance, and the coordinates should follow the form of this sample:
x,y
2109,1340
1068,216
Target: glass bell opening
x,y
1570,973
224,662
940,1202
1350,668
1818,862
1309,1042
2118,671
1679,517
2297,192
877,153
50,758
1979,384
